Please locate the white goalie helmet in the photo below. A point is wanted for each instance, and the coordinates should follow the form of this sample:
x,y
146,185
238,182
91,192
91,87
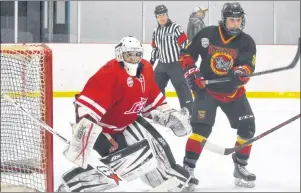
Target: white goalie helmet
x,y
130,52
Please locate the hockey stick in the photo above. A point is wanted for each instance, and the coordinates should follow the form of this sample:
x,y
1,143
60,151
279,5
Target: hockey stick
x,y
95,163
227,151
290,66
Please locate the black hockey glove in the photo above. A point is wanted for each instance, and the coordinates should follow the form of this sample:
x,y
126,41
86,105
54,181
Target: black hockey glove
x,y
237,75
194,78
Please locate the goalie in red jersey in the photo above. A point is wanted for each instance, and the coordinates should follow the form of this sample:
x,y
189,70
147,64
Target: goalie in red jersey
x,y
108,110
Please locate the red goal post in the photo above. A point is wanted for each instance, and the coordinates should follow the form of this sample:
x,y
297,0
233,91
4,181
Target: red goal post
x,y
26,148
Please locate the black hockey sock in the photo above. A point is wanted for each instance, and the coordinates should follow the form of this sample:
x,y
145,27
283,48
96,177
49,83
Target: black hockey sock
x,y
193,149
244,153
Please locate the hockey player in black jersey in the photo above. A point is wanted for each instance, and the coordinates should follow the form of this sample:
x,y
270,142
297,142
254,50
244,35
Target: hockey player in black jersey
x,y
226,51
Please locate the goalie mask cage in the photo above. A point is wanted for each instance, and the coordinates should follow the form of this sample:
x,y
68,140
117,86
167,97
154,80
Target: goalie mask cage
x,y
26,148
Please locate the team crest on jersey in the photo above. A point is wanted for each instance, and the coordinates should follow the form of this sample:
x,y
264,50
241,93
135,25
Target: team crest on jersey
x,y
201,114
205,42
130,81
221,63
137,107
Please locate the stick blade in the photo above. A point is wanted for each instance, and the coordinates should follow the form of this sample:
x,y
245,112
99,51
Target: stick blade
x,y
214,148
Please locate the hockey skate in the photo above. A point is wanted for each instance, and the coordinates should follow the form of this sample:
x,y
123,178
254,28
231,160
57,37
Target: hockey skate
x,y
243,178
193,181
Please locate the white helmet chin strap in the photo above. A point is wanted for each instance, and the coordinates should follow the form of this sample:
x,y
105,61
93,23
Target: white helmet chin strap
x,y
131,69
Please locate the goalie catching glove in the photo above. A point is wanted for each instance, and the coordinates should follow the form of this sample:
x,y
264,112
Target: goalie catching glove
x,y
84,136
177,121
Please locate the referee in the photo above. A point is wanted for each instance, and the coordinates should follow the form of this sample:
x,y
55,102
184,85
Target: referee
x,y
167,41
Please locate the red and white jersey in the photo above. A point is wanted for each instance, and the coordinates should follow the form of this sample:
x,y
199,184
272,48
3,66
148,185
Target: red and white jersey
x,y
114,98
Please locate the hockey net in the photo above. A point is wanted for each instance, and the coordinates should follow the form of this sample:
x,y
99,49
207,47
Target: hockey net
x,y
26,148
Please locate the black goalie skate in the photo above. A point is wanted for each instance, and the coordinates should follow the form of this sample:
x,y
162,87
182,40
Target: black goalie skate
x,y
243,178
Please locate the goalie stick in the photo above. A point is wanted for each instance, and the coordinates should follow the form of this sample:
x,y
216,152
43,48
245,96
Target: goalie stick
x,y
290,66
227,151
95,163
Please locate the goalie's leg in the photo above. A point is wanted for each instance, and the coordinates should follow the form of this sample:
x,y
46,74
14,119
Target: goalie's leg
x,y
130,162
167,167
79,179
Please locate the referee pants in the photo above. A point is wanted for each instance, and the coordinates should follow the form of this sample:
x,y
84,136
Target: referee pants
x,y
173,72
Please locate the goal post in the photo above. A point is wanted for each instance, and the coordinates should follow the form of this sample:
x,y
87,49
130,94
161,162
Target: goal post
x,y
26,148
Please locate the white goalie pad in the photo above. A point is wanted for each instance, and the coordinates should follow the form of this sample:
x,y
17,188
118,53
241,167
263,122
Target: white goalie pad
x,y
80,147
130,163
164,177
177,121
137,162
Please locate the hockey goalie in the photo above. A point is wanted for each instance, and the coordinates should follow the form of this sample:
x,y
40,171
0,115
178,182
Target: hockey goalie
x,y
109,121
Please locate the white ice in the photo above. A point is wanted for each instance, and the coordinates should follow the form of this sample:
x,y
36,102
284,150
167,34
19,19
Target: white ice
x,y
275,159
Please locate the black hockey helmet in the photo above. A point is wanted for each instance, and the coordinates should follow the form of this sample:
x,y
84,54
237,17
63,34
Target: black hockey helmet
x,y
233,10
160,9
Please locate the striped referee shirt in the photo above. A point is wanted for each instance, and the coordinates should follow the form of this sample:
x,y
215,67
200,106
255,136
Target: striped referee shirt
x,y
167,41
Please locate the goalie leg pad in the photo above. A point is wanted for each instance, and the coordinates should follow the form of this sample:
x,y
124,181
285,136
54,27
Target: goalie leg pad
x,y
84,136
167,167
140,159
165,170
133,161
85,180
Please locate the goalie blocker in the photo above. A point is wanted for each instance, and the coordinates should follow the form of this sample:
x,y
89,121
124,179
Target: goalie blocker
x,y
139,152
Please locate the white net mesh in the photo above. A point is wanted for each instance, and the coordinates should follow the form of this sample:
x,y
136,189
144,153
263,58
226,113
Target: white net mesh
x,y
14,188
24,148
